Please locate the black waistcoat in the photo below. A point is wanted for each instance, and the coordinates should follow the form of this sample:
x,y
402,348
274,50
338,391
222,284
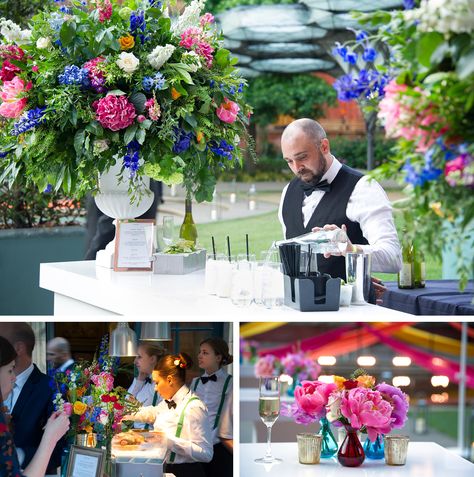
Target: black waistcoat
x,y
330,210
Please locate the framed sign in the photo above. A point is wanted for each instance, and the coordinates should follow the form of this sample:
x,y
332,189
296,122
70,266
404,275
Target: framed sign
x,y
86,462
134,245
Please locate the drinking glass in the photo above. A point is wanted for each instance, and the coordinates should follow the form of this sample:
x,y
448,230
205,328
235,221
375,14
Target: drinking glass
x,y
269,410
224,276
273,292
168,229
242,280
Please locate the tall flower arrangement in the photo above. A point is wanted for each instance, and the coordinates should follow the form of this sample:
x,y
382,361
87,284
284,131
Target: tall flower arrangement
x,y
95,81
429,109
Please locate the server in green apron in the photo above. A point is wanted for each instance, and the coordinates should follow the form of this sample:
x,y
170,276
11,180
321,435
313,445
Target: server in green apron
x,y
142,387
180,420
214,388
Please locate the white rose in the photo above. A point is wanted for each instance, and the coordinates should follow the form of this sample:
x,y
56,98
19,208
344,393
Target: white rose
x,y
43,43
128,62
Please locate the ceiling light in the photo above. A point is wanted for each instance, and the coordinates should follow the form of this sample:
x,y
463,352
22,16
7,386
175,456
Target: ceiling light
x,y
366,360
401,361
399,381
327,360
123,341
324,378
155,331
442,381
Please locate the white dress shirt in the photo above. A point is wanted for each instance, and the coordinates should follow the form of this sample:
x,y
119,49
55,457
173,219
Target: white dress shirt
x,y
226,424
370,207
211,393
64,366
195,442
144,393
17,387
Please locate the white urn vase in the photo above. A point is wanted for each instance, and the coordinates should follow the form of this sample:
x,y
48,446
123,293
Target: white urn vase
x,y
113,200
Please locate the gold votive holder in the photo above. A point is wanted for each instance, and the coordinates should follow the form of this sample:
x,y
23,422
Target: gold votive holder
x,y
396,449
309,448
87,440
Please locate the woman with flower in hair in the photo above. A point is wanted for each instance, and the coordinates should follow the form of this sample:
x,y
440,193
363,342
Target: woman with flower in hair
x,y
180,421
56,426
214,387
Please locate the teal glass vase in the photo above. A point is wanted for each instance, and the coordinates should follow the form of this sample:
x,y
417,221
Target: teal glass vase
x,y
329,443
374,449
65,459
291,389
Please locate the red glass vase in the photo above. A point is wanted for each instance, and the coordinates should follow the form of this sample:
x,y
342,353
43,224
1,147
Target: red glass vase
x,y
351,452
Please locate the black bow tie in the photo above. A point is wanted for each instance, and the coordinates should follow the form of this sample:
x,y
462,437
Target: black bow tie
x,y
148,380
205,379
309,188
171,404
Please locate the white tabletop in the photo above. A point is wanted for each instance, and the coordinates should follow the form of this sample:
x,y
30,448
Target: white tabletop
x,y
425,459
145,293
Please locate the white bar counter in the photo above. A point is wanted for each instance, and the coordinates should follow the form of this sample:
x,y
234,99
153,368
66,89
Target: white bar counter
x,y
425,459
81,288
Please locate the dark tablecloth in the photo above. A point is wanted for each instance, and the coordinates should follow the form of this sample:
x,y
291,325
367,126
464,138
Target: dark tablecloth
x,y
439,297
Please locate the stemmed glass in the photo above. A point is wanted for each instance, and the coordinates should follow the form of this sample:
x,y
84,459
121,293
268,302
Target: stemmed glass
x,y
269,410
168,229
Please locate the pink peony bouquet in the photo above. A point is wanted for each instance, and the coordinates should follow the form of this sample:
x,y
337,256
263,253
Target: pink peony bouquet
x,y
366,406
300,367
267,365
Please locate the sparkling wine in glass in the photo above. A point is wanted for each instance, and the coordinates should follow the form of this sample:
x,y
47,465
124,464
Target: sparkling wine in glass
x,y
168,230
269,410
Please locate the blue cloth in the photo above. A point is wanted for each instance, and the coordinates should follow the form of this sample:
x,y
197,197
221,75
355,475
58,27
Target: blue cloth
x,y
439,297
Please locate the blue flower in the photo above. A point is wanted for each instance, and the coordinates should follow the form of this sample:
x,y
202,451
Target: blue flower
x,y
241,87
340,50
56,21
351,58
159,81
154,3
4,154
64,9
48,189
409,4
147,83
182,140
232,90
132,158
29,120
212,83
223,148
73,75
137,21
369,54
346,88
361,35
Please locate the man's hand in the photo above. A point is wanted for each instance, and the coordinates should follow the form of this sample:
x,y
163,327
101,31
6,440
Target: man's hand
x,y
379,288
350,246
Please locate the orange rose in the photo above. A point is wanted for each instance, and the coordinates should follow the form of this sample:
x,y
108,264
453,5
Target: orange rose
x,y
339,381
79,408
126,42
175,94
366,381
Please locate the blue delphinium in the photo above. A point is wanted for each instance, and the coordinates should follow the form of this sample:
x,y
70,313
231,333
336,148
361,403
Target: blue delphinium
x,y
138,25
159,81
132,158
148,83
369,54
56,21
223,148
48,189
409,4
182,140
74,75
428,173
346,88
29,120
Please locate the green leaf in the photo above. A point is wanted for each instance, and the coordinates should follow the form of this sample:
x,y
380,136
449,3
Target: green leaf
x,y
95,128
222,57
191,120
73,117
130,133
146,124
116,92
141,135
67,33
79,141
465,66
427,44
138,100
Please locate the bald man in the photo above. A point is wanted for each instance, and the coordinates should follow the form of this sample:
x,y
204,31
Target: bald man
x,y
328,194
31,401
58,353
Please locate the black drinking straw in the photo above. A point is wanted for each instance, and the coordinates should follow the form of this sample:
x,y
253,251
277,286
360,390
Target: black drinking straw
x,y
247,245
308,266
213,247
228,248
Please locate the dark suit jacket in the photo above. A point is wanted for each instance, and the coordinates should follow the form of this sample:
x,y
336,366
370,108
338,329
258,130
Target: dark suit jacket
x,y
32,409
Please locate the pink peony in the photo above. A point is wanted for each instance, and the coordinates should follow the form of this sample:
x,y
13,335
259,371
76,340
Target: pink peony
x,y
67,407
265,366
193,38
312,397
141,118
227,111
8,71
364,407
11,94
104,381
115,112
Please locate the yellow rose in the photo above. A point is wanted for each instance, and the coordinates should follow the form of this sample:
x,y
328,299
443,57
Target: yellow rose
x,y
175,94
79,408
339,381
126,42
366,381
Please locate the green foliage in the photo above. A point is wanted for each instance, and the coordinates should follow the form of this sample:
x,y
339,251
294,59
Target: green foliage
x,y
298,95
20,11
216,6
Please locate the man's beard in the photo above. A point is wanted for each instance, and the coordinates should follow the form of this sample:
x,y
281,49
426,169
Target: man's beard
x,y
314,177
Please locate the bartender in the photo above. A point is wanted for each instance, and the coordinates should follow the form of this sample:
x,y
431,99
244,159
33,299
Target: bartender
x,y
326,194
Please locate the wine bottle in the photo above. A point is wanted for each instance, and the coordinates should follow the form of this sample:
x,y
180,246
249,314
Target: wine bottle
x,y
188,230
406,276
419,267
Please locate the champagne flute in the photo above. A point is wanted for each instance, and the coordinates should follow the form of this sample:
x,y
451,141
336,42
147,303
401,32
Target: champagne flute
x,y
269,410
168,229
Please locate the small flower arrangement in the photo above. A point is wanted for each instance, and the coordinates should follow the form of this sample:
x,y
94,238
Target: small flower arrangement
x,y
95,81
300,367
267,365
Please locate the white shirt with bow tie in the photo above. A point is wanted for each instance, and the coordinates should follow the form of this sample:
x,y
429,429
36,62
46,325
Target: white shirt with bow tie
x,y
195,442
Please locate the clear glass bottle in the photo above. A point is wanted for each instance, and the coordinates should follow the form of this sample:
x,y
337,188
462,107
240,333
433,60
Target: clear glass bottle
x,y
322,241
419,266
188,230
406,276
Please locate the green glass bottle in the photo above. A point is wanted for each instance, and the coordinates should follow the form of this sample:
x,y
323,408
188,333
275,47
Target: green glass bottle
x,y
188,230
419,267
406,276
